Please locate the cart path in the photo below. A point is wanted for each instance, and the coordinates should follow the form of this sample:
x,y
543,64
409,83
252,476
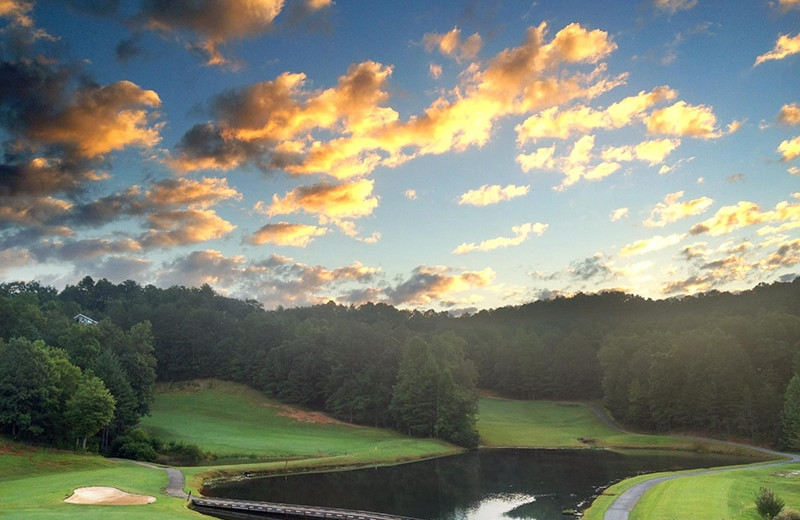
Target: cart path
x,y
176,480
622,506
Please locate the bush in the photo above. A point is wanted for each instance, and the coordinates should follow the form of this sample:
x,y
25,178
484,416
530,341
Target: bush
x,y
180,454
129,447
788,514
768,504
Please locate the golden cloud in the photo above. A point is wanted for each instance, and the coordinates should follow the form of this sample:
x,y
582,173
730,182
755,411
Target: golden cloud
x,y
652,152
786,5
194,193
451,44
649,245
487,195
743,214
180,227
672,210
682,119
216,22
102,119
785,46
432,283
790,114
790,148
331,202
521,234
553,122
17,11
286,234
361,133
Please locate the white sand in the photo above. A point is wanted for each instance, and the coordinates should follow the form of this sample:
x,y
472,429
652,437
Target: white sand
x,y
101,495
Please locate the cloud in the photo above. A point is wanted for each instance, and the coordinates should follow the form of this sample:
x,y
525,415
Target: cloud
x,y
652,152
672,210
785,46
673,6
450,44
786,5
411,194
789,114
731,218
286,234
181,227
574,167
18,11
789,149
331,202
649,245
487,195
682,119
521,234
348,130
786,255
619,214
427,284
581,119
591,268
216,22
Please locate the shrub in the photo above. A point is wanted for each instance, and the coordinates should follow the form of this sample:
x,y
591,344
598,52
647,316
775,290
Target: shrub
x,y
788,514
768,504
129,447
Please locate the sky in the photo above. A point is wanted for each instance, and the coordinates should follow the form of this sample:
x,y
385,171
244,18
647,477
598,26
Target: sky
x,y
453,156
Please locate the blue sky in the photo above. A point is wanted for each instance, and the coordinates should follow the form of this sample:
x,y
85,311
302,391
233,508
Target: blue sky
x,y
445,155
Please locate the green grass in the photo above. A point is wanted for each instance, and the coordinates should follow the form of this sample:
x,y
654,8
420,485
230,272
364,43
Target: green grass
x,y
35,482
723,495
235,422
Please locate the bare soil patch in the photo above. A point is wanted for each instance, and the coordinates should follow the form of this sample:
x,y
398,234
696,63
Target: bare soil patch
x,y
305,415
108,496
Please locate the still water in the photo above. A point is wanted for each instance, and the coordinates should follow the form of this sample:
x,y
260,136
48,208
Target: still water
x,y
480,485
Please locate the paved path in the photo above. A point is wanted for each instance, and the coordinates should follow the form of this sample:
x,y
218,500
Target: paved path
x,y
622,506
176,480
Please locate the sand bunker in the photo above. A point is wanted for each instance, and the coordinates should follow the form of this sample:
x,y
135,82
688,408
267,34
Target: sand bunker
x,y
108,496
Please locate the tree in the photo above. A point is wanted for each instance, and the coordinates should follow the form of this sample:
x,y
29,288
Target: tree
x,y
90,408
790,417
768,504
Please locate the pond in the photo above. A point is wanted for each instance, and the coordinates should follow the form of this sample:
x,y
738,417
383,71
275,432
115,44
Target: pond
x,y
493,484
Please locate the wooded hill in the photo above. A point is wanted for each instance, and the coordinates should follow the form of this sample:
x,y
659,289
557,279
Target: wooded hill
x,y
716,363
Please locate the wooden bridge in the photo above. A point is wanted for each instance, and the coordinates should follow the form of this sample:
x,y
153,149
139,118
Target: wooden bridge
x,y
288,511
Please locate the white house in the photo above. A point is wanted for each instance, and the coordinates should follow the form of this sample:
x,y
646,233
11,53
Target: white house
x,y
86,320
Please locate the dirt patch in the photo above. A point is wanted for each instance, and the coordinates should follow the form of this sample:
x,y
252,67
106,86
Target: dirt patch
x,y
107,496
305,415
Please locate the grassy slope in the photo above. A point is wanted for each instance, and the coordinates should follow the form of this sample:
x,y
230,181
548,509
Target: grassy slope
x,y
232,420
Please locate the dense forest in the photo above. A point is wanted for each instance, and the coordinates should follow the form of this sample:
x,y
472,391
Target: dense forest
x,y
718,363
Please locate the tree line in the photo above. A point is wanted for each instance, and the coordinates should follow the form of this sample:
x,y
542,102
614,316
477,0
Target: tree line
x,y
716,363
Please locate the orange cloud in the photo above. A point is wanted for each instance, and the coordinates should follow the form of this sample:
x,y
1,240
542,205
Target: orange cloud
x,y
521,234
790,114
180,227
451,44
101,119
432,283
785,46
574,166
18,11
790,148
649,245
672,210
331,202
348,131
487,195
786,5
194,193
286,234
216,22
683,119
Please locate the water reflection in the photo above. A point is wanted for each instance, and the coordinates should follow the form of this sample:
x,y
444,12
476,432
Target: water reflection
x,y
479,485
